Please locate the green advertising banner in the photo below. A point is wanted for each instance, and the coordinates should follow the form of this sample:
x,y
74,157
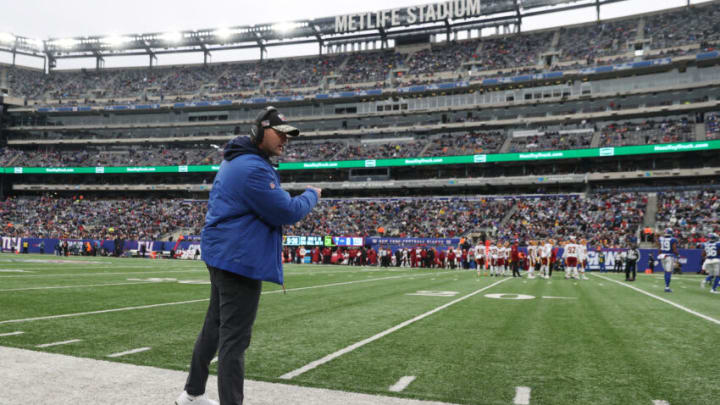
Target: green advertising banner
x,y
111,169
508,157
417,161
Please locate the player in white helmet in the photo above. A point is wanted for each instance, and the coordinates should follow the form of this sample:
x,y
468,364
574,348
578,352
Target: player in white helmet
x,y
571,254
504,254
583,259
531,257
545,256
494,260
480,258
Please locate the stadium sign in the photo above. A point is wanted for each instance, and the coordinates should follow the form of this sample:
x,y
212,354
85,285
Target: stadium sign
x,y
418,161
425,13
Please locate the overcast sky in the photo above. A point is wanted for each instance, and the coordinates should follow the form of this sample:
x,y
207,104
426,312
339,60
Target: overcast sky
x,y
44,19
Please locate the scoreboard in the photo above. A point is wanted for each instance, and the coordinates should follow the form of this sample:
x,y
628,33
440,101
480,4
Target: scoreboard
x,y
330,241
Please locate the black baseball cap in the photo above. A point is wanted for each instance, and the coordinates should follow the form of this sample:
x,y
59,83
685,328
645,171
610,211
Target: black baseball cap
x,y
278,122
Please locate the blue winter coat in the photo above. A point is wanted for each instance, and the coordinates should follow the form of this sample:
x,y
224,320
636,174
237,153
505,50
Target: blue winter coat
x,y
246,212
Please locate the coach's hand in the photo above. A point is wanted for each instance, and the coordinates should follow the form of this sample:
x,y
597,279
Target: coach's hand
x,y
317,191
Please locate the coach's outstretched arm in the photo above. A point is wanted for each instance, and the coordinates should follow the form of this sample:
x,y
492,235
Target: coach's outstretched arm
x,y
273,204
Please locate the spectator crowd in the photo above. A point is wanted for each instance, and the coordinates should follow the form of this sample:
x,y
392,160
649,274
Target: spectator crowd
x,y
607,219
579,46
77,217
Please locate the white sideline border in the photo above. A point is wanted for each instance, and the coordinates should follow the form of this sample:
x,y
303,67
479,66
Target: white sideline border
x,y
165,304
312,365
65,382
64,342
684,308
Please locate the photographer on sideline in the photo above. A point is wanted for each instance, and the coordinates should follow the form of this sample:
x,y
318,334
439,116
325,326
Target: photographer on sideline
x,y
242,245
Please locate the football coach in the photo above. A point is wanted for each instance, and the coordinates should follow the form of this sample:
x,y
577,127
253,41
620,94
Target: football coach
x,y
242,247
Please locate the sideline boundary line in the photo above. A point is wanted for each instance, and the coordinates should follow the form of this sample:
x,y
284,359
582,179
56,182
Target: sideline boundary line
x,y
348,349
684,308
104,274
74,286
165,304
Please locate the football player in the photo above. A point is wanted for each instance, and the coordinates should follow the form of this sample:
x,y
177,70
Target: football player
x,y
494,270
571,254
582,259
667,254
711,253
531,252
545,255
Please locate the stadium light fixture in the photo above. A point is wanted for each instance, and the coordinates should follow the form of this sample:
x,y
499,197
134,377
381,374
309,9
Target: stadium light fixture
x,y
116,40
286,26
36,43
174,36
223,33
6,37
66,43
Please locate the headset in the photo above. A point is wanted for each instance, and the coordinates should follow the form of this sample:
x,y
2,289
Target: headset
x,y
256,130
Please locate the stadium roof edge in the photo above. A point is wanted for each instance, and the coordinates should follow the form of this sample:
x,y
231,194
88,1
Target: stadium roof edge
x,y
318,30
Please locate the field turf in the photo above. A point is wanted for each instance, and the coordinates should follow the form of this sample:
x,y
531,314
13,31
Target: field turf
x,y
600,341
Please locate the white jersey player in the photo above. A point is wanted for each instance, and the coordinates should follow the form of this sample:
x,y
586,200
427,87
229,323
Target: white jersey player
x,y
494,269
480,256
583,259
571,254
545,256
506,258
531,253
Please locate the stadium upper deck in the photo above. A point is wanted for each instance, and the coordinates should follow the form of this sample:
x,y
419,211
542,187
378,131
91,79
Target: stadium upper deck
x,y
676,32
508,123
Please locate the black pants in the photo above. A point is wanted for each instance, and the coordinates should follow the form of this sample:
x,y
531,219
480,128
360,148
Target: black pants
x,y
515,269
228,324
630,267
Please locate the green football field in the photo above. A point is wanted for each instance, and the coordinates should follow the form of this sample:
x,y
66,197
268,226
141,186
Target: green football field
x,y
456,337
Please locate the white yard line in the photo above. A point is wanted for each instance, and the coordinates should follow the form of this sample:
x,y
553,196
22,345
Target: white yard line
x,y
74,286
402,383
684,308
11,334
351,282
64,342
522,396
348,349
103,274
60,266
104,311
125,353
660,402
